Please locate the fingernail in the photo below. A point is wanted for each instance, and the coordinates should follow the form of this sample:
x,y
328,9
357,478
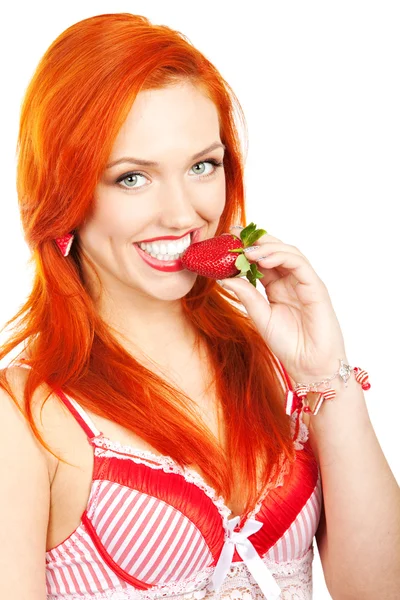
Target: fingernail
x,y
250,248
219,281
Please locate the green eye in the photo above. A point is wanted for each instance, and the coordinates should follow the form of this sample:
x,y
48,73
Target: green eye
x,y
134,175
198,164
128,176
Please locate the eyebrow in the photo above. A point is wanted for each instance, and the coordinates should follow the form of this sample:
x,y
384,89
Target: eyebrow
x,y
150,163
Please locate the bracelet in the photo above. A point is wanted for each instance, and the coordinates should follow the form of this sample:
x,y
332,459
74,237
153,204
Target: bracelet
x,y
294,398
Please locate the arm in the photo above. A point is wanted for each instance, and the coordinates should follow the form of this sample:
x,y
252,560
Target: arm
x,y
24,506
359,533
360,550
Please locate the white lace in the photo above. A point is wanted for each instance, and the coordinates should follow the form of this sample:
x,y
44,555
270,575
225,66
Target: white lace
x,y
109,448
106,447
302,434
294,578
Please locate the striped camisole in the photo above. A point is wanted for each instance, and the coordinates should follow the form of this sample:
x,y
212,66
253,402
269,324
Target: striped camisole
x,y
152,529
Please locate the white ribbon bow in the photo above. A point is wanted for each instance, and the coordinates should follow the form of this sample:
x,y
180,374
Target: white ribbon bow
x,y
246,550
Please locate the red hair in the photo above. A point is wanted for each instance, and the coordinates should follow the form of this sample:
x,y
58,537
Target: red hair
x,y
74,106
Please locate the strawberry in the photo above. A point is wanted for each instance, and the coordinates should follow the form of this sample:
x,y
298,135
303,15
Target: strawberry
x,y
222,256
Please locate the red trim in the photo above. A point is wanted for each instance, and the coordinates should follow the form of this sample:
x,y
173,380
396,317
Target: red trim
x,y
299,403
286,376
141,585
168,237
87,429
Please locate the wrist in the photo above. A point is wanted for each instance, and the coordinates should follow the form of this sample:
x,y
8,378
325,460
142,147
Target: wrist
x,y
318,378
312,391
348,406
310,395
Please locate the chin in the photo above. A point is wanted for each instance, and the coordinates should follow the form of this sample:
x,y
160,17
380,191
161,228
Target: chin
x,y
172,290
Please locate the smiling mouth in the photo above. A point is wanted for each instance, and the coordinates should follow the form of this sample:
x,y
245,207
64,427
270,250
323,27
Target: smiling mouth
x,y
162,250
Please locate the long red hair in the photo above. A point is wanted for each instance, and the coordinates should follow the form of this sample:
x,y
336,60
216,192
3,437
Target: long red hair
x,y
74,106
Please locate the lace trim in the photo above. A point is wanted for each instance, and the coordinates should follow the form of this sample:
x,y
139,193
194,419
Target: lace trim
x,y
284,466
294,577
109,448
302,435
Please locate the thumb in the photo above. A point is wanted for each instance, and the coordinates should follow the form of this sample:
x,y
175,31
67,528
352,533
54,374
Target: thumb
x,y
256,305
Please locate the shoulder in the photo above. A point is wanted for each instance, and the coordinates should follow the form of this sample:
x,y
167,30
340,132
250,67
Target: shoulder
x,y
65,440
13,415
25,477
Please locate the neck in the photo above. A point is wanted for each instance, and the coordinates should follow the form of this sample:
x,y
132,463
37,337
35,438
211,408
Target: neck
x,y
156,328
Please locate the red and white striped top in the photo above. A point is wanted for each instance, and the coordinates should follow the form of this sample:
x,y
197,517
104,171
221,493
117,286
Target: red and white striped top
x,y
152,529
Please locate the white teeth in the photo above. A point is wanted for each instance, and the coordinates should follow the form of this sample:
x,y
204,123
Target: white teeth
x,y
165,257
163,250
171,248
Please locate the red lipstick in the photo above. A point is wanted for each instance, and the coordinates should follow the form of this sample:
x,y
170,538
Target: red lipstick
x,y
169,237
170,266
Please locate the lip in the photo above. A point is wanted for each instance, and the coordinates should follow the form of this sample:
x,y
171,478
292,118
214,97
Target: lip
x,y
168,266
171,237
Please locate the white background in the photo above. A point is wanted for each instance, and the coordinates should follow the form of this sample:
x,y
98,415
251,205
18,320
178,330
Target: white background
x,y
319,85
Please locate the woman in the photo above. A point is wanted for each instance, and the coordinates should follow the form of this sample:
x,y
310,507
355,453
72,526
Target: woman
x,y
156,452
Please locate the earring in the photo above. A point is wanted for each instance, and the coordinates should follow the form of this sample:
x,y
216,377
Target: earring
x,y
65,243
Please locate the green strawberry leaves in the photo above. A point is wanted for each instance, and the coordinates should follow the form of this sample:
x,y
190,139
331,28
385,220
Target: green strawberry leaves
x,y
242,264
249,235
254,274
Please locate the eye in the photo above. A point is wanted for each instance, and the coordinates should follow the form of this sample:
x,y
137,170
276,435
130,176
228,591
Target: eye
x,y
132,177
210,161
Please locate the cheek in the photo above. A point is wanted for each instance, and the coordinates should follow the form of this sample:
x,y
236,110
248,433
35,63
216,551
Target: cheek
x,y
116,215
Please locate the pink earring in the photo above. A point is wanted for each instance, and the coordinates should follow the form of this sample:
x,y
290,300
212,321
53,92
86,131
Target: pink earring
x,y
65,243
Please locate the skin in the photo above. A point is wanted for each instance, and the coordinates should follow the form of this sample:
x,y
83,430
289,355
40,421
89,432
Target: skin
x,y
168,126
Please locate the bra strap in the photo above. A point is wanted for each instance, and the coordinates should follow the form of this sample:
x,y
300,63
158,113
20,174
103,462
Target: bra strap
x,y
80,415
75,409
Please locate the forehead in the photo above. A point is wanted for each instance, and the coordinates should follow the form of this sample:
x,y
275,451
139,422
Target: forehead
x,y
179,119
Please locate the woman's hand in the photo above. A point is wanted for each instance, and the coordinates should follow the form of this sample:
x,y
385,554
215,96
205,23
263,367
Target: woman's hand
x,y
297,319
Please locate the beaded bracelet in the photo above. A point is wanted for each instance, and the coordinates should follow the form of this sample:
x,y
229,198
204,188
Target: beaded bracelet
x,y
295,397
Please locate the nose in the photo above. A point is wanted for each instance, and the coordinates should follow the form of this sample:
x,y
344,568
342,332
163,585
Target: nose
x,y
177,207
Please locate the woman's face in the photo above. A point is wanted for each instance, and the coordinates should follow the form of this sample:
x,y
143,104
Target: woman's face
x,y
179,193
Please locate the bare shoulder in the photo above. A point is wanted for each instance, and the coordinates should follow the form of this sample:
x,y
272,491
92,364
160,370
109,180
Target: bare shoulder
x,y
12,410
25,498
41,412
